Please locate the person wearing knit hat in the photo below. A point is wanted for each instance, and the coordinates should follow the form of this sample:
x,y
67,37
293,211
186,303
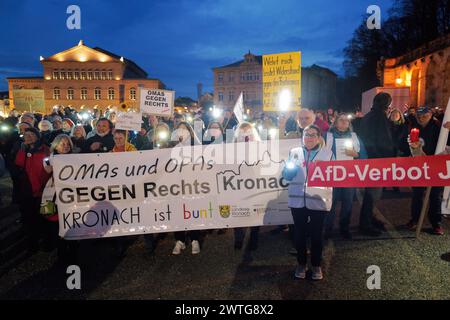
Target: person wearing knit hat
x,y
57,128
31,184
28,117
34,131
67,125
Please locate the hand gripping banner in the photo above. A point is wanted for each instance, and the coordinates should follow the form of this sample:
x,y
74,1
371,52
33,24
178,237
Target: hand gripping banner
x,y
166,190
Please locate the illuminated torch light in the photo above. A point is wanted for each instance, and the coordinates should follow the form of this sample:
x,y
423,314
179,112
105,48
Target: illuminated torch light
x,y
348,144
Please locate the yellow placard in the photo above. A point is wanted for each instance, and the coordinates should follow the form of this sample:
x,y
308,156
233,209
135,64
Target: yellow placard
x,y
31,100
282,81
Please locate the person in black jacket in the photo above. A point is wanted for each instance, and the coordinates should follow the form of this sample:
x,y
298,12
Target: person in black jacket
x,y
141,140
103,140
376,133
429,131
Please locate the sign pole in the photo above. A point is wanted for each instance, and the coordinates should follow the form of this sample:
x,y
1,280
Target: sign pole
x,y
423,212
442,142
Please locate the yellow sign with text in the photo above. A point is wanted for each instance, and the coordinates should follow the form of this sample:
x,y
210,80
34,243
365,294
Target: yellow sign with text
x,y
282,81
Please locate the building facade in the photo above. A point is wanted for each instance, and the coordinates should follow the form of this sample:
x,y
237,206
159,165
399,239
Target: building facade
x,y
318,85
87,78
425,71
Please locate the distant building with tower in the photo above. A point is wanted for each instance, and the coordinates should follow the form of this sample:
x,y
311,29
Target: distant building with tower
x,y
318,85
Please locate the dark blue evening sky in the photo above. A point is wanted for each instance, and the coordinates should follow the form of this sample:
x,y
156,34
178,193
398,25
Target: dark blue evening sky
x,y
179,41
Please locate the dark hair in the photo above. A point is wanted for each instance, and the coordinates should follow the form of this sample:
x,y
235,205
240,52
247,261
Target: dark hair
x,y
26,123
313,126
111,126
120,131
382,101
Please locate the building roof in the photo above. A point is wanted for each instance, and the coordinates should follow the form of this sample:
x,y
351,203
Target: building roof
x,y
317,67
259,61
238,63
127,61
36,77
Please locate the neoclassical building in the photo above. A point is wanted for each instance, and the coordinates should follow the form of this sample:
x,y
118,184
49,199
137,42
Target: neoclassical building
x,y
318,85
87,78
425,71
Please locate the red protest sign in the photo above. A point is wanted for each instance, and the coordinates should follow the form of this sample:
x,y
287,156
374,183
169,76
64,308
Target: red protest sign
x,y
387,172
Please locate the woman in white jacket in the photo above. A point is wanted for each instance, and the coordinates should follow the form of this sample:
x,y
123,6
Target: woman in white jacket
x,y
308,203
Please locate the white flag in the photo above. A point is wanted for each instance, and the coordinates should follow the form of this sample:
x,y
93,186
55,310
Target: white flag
x,y
239,109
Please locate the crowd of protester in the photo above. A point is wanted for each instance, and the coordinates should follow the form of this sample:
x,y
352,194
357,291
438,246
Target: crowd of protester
x,y
28,140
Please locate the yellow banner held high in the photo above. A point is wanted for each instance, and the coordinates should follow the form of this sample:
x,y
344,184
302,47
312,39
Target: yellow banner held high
x,y
282,81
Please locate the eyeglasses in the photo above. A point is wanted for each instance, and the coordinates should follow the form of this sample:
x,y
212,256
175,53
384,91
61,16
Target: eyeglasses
x,y
307,135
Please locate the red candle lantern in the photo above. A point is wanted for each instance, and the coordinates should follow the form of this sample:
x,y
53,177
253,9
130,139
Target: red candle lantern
x,y
414,135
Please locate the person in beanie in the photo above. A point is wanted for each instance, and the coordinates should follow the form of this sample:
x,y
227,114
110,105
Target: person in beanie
x,y
57,128
141,140
429,131
31,183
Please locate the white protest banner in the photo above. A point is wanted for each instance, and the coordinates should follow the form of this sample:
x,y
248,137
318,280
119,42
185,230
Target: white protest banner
x,y
157,102
166,190
443,137
239,109
128,121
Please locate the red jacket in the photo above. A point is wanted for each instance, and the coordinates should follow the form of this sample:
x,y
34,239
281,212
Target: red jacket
x,y
34,168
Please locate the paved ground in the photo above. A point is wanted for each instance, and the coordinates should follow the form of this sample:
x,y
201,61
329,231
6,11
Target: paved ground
x,y
411,268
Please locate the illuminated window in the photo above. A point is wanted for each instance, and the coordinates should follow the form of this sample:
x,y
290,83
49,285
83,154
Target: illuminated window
x,y
103,75
97,94
76,75
83,75
62,75
220,96
70,93
110,75
231,96
133,94
55,75
83,94
56,94
220,77
69,75
96,75
111,93
89,75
